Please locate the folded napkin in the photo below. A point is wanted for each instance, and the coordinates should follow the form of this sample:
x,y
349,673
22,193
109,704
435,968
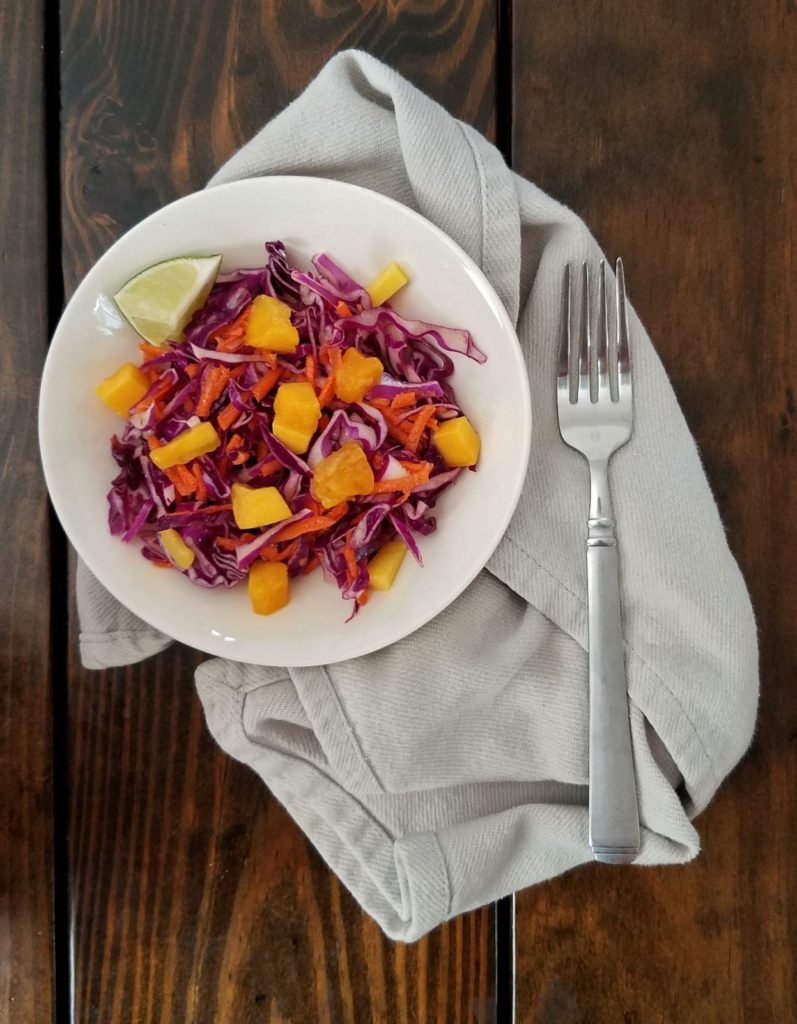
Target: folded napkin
x,y
451,768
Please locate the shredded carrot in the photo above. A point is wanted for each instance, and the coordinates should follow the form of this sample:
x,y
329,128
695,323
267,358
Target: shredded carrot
x,y
266,383
311,525
342,309
183,480
380,403
159,391
419,424
309,369
312,564
261,450
335,357
151,351
213,383
232,336
314,506
337,511
217,508
161,565
228,415
187,406
417,473
230,343
351,559
192,370
403,400
327,392
378,461
362,598
269,554
286,553
322,423
272,466
154,442
201,489
235,442
231,543
240,457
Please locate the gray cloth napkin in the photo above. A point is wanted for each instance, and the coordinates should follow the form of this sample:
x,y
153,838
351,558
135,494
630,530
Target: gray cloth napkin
x,y
451,768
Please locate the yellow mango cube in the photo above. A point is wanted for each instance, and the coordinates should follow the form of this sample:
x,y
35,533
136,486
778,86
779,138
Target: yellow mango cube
x,y
192,443
296,415
386,284
268,587
356,375
297,405
269,325
457,442
296,441
342,475
177,551
385,564
257,506
123,388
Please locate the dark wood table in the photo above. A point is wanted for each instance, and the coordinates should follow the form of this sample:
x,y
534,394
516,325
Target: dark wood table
x,y
144,876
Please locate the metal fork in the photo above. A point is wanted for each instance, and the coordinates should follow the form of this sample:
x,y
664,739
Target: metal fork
x,y
594,398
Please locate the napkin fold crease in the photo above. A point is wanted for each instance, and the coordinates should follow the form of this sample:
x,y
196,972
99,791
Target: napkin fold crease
x,y
451,768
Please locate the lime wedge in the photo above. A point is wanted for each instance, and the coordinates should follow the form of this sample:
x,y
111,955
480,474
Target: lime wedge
x,y
159,302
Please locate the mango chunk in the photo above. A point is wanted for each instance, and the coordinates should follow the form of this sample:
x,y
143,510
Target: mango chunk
x,y
356,375
457,442
257,506
297,441
342,475
296,415
268,587
123,388
269,325
386,284
177,551
385,564
192,443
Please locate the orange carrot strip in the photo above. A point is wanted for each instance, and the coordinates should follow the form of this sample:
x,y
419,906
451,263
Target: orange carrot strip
x,y
309,370
201,489
351,560
314,506
269,554
335,357
161,565
342,309
231,543
312,564
228,415
159,392
217,508
362,598
403,400
154,442
327,392
311,525
192,370
337,511
151,351
266,382
286,553
213,383
419,424
239,458
235,442
272,466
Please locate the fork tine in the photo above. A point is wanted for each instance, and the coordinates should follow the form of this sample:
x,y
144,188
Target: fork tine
x,y
623,351
603,332
586,334
563,367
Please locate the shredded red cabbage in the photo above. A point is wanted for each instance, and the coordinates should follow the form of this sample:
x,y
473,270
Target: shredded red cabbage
x,y
331,311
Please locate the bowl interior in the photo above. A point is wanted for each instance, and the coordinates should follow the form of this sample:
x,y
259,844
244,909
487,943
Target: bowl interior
x,y
363,231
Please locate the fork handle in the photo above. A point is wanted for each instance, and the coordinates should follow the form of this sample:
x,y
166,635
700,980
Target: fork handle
x,y
613,815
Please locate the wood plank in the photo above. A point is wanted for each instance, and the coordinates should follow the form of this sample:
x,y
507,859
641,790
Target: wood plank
x,y
674,133
26,935
195,897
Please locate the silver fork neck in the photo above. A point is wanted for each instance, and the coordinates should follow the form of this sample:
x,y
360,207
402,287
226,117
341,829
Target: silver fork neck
x,y
601,522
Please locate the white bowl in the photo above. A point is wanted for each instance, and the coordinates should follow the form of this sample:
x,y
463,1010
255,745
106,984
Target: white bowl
x,y
363,231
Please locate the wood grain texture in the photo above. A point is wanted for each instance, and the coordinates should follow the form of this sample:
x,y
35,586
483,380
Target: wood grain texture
x,y
26,976
195,898
673,130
